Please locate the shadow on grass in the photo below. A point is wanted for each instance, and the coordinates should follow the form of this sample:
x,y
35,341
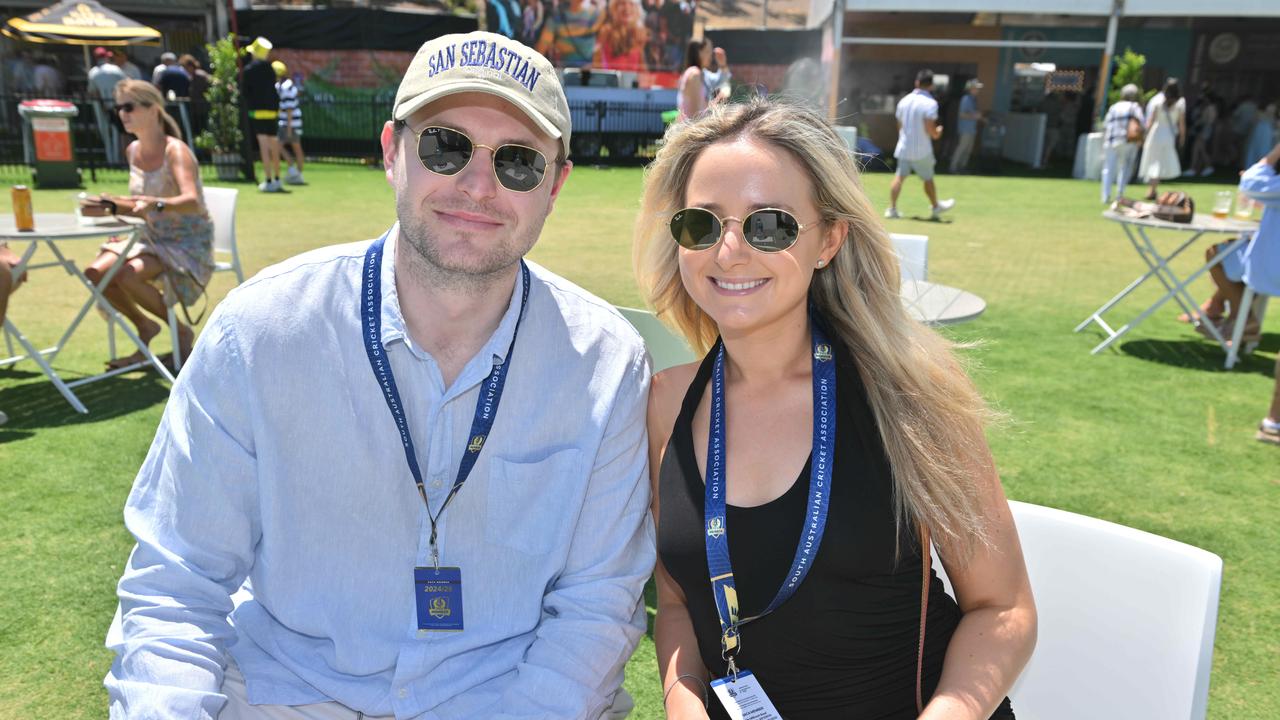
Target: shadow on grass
x,y
1197,354
38,404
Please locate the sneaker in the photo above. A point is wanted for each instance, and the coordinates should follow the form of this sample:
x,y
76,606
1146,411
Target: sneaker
x,y
1188,173
1269,431
294,178
892,213
264,186
942,207
275,186
1207,171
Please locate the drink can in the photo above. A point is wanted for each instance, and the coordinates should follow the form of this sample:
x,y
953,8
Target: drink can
x,y
24,218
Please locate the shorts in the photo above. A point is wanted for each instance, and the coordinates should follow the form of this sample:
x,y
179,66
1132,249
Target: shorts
x,y
288,134
1233,264
264,127
922,167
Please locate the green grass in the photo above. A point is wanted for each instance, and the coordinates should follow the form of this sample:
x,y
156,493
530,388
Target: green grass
x,y
1153,434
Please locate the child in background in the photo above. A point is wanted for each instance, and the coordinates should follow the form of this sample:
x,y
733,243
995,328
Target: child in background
x,y
290,132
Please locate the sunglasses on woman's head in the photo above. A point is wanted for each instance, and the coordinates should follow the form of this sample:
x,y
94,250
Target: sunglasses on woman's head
x,y
444,151
768,230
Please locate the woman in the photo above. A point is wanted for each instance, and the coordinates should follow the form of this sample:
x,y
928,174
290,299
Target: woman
x,y
620,43
1166,132
692,98
177,236
807,298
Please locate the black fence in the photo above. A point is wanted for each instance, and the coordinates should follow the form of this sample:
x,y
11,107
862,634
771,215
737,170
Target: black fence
x,y
614,133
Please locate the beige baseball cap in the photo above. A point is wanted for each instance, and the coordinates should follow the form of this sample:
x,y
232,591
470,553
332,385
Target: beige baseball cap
x,y
488,63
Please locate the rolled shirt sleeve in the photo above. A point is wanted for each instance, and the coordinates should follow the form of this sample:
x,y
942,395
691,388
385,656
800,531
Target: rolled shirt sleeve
x,y
1261,183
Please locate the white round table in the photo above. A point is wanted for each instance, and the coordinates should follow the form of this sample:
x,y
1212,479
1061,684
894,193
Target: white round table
x,y
937,304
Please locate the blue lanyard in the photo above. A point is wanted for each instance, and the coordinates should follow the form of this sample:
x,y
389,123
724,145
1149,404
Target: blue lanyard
x,y
824,432
486,404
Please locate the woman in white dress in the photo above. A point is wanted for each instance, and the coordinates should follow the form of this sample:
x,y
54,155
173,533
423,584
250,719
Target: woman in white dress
x,y
1166,132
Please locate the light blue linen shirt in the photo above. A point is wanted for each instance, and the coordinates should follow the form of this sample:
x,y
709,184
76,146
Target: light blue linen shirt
x,y
1262,258
277,470
914,142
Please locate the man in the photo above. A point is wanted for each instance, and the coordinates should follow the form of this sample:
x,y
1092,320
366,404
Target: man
x,y
131,71
1119,146
46,78
290,133
263,104
966,126
173,81
285,464
167,60
8,283
103,79
918,127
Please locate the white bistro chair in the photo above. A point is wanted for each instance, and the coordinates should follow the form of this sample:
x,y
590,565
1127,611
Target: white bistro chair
x,y
221,203
913,255
665,347
1127,620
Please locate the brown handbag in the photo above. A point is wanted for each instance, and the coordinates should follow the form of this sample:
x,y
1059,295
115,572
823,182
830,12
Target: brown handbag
x,y
1134,132
1174,206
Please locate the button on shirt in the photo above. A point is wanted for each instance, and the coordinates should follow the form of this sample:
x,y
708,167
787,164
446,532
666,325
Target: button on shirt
x,y
277,470
913,142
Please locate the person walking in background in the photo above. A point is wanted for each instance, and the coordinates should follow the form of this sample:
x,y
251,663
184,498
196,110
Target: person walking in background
x,y
966,126
263,104
1204,119
289,134
173,81
46,78
692,97
167,59
1122,131
1166,133
131,71
918,127
103,79
199,78
1242,121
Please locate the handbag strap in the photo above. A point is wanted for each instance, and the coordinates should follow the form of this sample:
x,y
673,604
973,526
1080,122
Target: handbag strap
x,y
926,564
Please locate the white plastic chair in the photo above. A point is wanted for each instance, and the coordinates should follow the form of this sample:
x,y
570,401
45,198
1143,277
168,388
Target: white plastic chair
x,y
1126,620
665,347
913,255
221,204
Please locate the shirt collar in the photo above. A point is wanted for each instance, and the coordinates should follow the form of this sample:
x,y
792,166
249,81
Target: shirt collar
x,y
922,91
393,327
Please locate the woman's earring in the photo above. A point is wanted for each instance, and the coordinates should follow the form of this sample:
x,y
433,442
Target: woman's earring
x,y
821,262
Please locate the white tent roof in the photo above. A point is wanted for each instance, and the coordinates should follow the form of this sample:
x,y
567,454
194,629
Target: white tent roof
x,y
1132,8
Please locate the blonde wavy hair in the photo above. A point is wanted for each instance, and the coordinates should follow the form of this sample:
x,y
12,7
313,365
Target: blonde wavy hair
x,y
931,417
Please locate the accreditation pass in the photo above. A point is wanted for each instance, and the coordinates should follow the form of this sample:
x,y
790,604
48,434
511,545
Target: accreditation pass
x,y
744,699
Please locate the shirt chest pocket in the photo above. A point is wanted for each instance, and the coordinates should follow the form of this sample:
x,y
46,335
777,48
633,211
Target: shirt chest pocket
x,y
530,502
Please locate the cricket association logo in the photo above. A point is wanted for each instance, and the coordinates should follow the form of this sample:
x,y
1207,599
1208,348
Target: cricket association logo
x,y
477,442
822,352
715,528
440,608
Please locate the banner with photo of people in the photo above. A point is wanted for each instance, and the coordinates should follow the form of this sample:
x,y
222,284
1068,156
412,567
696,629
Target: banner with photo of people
x,y
645,36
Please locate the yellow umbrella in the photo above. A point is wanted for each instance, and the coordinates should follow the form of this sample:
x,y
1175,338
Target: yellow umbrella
x,y
79,22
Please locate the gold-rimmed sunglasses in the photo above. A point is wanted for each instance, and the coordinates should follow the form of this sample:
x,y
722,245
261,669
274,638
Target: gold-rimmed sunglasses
x,y
445,151
768,230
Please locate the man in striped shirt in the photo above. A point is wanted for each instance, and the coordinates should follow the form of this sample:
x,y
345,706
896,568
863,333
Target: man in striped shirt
x,y
917,129
290,132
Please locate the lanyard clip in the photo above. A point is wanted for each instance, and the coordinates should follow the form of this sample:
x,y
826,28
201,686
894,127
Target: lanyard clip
x,y
435,556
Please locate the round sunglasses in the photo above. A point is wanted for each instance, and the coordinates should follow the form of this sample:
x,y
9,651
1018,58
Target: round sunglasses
x,y
768,230
445,151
